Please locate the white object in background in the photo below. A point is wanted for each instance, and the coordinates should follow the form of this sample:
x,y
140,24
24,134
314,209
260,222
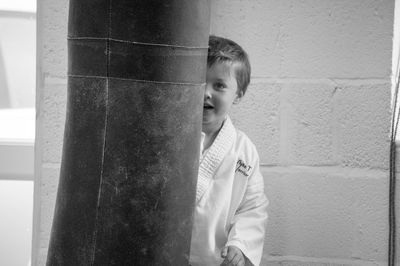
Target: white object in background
x,y
17,126
17,133
18,5
16,207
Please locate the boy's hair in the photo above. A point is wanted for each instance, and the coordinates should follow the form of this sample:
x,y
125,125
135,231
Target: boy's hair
x,y
225,50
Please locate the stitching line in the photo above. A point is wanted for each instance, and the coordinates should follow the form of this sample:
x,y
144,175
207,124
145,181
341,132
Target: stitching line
x,y
104,140
138,43
137,80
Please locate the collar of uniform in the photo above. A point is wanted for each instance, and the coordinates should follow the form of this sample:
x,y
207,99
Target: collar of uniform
x,y
214,156
203,136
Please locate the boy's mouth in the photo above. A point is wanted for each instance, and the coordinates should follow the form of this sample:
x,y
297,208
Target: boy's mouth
x,y
207,106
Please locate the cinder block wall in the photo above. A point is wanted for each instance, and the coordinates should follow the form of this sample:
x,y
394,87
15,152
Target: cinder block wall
x,y
318,109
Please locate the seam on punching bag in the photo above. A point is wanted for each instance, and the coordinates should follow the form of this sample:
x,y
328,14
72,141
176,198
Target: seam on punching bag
x,y
138,80
140,62
139,43
105,135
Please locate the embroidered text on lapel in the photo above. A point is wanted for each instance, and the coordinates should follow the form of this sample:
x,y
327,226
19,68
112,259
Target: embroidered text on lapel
x,y
242,168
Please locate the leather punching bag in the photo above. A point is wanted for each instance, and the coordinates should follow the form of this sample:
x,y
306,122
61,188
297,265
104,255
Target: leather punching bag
x,y
131,144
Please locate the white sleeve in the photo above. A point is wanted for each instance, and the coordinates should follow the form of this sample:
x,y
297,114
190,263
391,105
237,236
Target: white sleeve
x,y
247,229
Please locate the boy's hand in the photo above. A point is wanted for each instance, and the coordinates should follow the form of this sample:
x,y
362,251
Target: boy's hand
x,y
232,256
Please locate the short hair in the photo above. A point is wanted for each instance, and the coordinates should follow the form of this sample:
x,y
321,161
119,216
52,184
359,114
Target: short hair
x,y
224,50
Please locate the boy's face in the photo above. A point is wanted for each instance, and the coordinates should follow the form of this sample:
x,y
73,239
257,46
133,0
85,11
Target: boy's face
x,y
220,93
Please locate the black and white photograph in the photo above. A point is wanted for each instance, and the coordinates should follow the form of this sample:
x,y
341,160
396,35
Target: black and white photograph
x,y
199,132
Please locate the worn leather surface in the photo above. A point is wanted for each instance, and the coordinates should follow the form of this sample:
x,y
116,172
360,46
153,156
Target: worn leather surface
x,y
136,61
131,145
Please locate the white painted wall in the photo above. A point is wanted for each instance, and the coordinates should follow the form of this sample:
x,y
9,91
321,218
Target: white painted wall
x,y
318,110
17,58
17,128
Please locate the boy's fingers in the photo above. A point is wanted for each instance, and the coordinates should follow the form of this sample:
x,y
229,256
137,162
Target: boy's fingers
x,y
224,252
225,262
236,259
231,254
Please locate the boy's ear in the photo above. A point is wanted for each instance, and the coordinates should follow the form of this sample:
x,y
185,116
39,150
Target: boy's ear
x,y
239,96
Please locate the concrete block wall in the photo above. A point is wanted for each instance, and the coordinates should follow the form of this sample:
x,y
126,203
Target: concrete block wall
x,y
318,109
51,91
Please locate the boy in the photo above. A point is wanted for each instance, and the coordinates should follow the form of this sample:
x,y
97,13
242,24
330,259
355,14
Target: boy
x,y
230,211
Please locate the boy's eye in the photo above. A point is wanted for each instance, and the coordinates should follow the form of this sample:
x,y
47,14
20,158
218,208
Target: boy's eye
x,y
219,85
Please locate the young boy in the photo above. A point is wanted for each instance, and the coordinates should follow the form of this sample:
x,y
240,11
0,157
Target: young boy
x,y
230,211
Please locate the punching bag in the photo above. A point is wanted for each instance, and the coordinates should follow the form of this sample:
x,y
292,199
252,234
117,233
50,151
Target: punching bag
x,y
128,176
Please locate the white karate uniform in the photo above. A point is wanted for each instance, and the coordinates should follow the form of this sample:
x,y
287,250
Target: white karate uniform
x,y
230,201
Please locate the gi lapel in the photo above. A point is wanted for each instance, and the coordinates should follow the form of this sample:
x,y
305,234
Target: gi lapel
x,y
214,156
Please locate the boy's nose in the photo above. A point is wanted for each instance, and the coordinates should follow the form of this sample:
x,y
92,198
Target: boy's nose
x,y
207,91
